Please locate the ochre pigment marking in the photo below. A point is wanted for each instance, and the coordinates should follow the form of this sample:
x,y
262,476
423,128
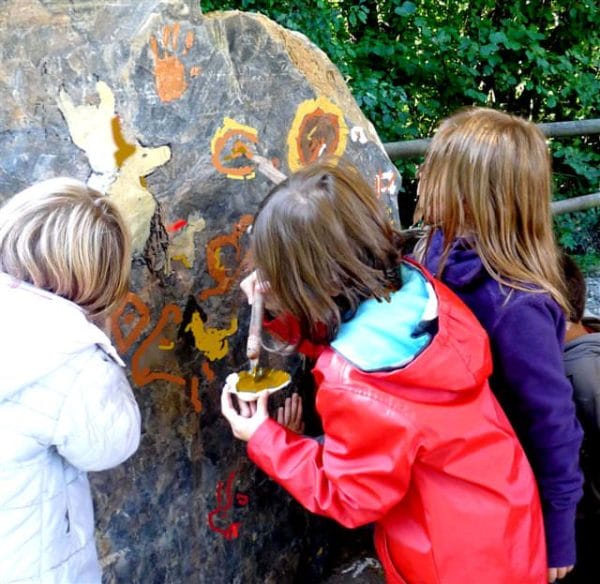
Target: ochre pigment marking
x,y
385,183
269,379
132,301
220,274
318,130
91,128
231,142
169,70
208,373
189,41
142,374
167,32
183,259
182,247
134,200
194,395
210,341
119,167
128,319
124,149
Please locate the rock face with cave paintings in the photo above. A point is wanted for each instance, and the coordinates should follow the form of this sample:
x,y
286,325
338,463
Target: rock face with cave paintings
x,y
185,120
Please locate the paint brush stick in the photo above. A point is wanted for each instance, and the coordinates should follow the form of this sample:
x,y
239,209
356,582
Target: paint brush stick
x,y
256,319
266,168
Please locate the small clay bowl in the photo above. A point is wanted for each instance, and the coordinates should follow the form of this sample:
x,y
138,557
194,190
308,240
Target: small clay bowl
x,y
271,381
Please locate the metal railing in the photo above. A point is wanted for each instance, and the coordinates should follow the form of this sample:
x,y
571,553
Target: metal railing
x,y
414,148
576,204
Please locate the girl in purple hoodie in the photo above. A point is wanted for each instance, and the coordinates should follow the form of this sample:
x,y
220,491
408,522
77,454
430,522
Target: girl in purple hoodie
x,y
484,195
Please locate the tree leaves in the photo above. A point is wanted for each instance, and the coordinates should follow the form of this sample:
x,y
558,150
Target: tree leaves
x,y
410,64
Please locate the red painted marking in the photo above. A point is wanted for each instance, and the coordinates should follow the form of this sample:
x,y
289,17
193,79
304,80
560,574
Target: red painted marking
x,y
224,494
241,499
177,226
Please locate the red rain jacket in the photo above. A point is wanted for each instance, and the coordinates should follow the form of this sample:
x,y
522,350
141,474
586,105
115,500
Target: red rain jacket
x,y
426,453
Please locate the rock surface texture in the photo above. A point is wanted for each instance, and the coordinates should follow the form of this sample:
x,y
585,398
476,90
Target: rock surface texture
x,y
593,294
166,110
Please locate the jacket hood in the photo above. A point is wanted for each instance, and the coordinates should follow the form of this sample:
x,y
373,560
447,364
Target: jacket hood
x,y
40,332
394,331
463,266
425,338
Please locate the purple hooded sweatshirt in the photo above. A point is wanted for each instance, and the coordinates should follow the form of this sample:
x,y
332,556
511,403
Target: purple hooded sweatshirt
x,y
526,331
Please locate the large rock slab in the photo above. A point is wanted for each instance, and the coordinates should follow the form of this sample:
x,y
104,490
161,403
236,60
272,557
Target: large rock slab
x,y
166,109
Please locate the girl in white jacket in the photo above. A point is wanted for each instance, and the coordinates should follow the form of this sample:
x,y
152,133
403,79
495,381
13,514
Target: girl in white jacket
x,y
65,404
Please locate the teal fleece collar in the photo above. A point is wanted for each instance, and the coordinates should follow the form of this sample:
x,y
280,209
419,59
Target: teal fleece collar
x,y
388,335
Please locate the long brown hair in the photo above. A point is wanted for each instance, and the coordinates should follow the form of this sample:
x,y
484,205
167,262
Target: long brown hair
x,y
488,175
323,242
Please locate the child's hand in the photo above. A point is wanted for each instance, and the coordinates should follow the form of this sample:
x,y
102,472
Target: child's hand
x,y
250,286
290,414
250,417
558,573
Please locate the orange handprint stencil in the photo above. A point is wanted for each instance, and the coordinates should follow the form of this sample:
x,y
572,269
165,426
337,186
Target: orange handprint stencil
x,y
169,71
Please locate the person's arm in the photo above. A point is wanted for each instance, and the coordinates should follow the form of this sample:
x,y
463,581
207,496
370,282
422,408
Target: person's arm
x,y
360,470
528,358
99,425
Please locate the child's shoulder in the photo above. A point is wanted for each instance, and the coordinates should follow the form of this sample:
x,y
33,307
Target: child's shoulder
x,y
526,300
90,369
524,314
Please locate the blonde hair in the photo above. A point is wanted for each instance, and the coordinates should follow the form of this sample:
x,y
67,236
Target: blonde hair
x,y
488,175
64,237
324,243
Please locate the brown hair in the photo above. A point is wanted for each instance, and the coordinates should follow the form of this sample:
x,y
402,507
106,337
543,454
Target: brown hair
x,y
487,174
64,237
323,242
575,286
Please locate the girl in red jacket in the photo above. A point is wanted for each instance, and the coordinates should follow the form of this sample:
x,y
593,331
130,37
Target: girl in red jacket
x,y
413,438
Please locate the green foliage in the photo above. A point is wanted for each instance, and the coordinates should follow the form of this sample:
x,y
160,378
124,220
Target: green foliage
x,y
409,64
576,171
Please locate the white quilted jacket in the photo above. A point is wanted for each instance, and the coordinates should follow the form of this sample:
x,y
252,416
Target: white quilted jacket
x,y
65,408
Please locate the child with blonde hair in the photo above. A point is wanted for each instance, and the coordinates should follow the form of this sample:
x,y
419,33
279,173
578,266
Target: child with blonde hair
x,y
484,193
65,404
414,440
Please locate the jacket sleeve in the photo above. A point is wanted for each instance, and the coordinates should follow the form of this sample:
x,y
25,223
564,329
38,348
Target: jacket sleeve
x,y
357,473
528,358
287,328
99,424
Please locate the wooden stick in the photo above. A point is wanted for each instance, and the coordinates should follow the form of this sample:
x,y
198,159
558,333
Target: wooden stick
x,y
253,345
266,168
